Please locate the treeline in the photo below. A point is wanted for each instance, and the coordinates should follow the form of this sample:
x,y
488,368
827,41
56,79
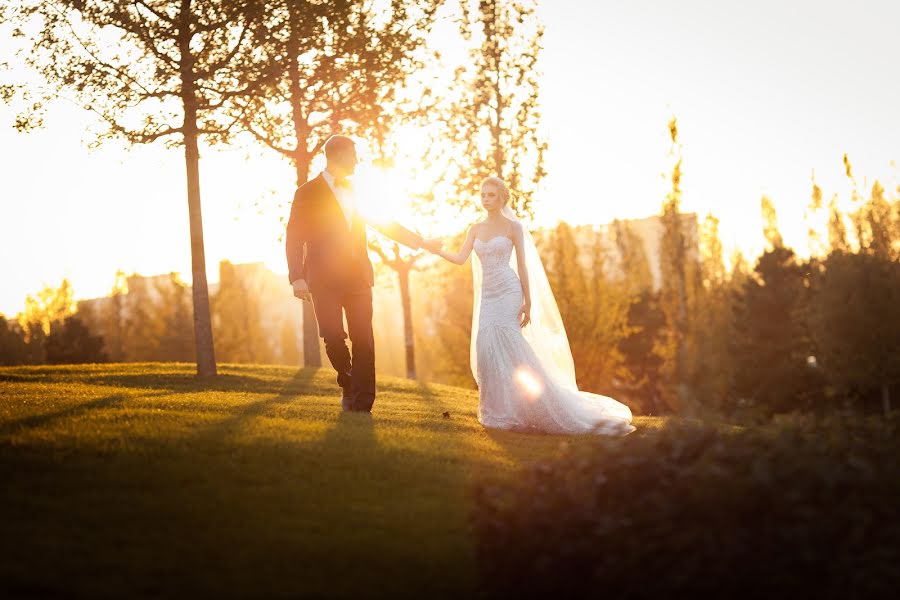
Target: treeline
x,y
150,319
47,332
688,335
655,314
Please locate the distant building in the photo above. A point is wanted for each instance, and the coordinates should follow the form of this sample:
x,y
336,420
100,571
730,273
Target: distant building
x,y
108,316
278,308
649,230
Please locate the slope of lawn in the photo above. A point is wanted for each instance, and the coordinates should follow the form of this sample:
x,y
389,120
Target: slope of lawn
x,y
138,480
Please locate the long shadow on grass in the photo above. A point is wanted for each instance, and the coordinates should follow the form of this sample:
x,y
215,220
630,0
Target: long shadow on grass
x,y
343,513
35,421
224,382
395,511
286,392
355,512
430,400
177,378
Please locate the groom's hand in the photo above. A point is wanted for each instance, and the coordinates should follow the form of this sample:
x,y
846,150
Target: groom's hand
x,y
301,290
433,245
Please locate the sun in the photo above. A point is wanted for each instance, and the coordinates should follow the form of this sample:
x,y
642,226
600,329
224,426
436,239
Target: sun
x,y
382,195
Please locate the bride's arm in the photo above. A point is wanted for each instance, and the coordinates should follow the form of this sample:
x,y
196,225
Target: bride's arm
x,y
519,243
464,252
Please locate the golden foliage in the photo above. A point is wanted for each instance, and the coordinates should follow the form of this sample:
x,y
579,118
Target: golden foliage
x,y
48,306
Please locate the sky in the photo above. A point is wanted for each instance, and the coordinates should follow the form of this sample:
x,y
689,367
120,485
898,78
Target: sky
x,y
765,94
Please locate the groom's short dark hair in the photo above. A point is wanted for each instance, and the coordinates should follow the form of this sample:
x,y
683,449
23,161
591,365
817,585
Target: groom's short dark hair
x,y
337,144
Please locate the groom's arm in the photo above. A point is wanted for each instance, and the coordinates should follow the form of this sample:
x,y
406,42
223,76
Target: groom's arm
x,y
295,238
400,234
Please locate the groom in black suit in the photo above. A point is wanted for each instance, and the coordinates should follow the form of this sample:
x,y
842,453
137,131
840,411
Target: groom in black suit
x,y
328,263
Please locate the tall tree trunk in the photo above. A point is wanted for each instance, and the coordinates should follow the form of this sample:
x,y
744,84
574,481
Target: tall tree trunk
x,y
403,276
203,338
116,345
886,398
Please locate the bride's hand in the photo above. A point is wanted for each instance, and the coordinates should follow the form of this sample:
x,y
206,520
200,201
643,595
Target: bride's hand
x,y
524,315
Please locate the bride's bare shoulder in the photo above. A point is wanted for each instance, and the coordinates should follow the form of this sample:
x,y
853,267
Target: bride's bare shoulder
x,y
511,222
515,227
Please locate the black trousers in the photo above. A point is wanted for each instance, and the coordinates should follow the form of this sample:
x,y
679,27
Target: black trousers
x,y
356,373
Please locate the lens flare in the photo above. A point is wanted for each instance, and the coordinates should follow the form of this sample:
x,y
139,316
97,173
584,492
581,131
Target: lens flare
x,y
379,195
528,383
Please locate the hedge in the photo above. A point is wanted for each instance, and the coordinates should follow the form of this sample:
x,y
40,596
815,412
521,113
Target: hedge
x,y
802,509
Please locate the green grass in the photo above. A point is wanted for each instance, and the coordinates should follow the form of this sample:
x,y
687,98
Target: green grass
x,y
138,480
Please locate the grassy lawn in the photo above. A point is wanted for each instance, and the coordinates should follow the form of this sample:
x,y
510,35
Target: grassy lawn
x,y
137,480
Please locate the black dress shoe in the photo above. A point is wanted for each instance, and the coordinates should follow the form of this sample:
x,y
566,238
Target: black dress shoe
x,y
347,401
363,403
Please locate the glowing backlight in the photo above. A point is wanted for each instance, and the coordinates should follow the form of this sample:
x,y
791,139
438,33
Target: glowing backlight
x,y
528,383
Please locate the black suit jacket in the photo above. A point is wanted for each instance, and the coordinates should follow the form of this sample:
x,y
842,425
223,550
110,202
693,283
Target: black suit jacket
x,y
321,249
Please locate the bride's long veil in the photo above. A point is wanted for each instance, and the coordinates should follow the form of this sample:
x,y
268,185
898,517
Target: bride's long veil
x,y
545,334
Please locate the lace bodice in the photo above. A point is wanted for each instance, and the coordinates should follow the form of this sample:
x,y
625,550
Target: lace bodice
x,y
494,253
501,290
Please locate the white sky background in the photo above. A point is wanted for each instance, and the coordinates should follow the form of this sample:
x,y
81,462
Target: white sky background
x,y
764,93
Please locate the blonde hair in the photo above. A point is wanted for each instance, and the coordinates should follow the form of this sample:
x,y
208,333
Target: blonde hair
x,y
501,187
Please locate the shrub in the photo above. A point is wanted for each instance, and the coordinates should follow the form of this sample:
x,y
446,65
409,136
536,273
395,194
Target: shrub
x,y
803,508
70,342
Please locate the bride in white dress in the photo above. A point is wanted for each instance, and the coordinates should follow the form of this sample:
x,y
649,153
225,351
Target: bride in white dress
x,y
520,353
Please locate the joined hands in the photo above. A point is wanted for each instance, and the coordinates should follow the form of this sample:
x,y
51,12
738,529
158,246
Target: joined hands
x,y
433,245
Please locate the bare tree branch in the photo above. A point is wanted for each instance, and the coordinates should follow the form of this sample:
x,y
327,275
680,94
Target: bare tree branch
x,y
225,60
159,15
